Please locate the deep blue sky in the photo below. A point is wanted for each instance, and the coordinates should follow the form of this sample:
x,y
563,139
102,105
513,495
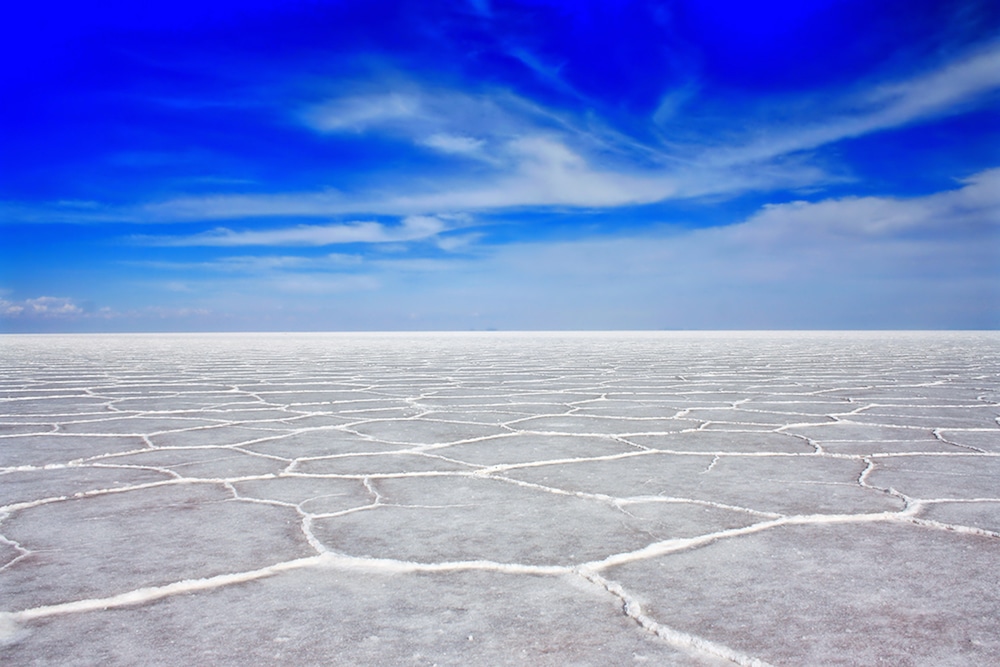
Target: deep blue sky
x,y
516,165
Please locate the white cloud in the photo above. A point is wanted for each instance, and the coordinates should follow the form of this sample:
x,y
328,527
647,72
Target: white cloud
x,y
428,116
673,101
257,264
539,170
355,114
458,242
931,261
946,90
412,228
974,208
541,158
42,306
545,172
532,156
547,72
452,143
941,91
304,283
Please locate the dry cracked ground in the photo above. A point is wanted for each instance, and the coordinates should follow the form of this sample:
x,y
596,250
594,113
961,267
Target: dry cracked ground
x,y
502,499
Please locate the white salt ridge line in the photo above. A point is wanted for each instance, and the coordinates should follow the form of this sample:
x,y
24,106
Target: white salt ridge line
x,y
332,515
626,441
152,593
952,527
863,479
688,643
305,514
178,480
97,459
675,545
644,500
815,444
285,434
394,566
173,465
73,435
945,406
364,475
917,454
753,455
26,420
294,465
15,399
587,415
446,459
124,466
305,525
135,417
22,552
18,435
271,457
427,507
260,501
367,481
410,451
634,500
937,434
468,441
425,446
601,497
504,467
619,434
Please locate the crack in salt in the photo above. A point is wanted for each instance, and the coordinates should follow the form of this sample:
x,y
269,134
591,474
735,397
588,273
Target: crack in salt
x,y
715,459
686,642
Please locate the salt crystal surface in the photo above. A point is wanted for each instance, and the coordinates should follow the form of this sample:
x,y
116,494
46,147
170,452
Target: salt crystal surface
x,y
501,498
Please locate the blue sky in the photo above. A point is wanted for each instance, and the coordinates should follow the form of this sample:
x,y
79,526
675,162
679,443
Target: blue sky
x,y
478,164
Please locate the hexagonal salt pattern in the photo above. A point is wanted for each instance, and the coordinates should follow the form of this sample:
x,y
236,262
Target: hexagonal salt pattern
x,y
507,499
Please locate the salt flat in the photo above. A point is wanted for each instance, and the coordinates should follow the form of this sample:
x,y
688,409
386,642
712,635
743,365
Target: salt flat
x,y
500,498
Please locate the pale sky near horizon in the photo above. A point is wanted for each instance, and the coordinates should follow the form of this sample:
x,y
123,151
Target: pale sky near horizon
x,y
319,165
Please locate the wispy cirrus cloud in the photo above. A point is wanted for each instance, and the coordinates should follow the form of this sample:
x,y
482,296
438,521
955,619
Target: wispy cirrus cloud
x,y
455,143
528,155
416,112
359,113
253,264
537,157
949,89
836,242
540,171
412,228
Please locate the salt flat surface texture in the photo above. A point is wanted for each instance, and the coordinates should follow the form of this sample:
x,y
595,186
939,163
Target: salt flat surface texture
x,y
502,499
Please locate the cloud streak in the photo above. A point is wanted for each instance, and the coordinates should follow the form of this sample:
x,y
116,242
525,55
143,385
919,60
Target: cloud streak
x,y
839,262
530,156
845,262
943,91
852,260
412,228
538,158
972,210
